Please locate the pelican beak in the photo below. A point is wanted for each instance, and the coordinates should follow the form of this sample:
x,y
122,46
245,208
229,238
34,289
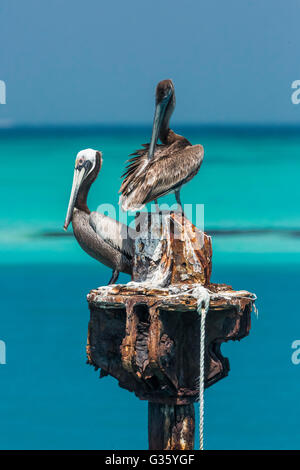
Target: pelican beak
x,y
160,110
77,180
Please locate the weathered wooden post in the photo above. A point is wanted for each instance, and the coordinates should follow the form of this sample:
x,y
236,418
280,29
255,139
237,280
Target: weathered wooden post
x,y
146,333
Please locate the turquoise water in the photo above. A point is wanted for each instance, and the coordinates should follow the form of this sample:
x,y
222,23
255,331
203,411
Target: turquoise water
x,y
49,397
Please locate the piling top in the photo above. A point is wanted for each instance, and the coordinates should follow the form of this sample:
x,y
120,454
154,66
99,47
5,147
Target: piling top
x,y
149,338
174,297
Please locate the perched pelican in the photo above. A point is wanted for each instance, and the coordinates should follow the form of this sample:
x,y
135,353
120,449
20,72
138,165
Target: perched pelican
x,y
102,237
157,170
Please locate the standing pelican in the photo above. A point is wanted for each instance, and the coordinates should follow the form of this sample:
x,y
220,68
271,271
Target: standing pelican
x,y
157,170
103,238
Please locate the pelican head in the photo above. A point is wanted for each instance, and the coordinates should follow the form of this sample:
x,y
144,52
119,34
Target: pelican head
x,y
164,106
87,166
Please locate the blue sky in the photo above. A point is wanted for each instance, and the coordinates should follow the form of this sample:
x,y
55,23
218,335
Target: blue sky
x,y
94,61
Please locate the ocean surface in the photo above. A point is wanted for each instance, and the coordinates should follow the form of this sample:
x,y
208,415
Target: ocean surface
x,y
49,397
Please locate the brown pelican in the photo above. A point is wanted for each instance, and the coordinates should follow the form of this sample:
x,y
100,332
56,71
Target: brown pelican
x,y
102,237
157,170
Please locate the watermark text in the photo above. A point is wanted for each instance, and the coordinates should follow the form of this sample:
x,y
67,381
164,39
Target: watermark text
x,y
295,96
2,92
2,352
296,354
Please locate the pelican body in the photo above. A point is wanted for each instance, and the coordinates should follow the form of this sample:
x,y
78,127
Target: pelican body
x,y
103,238
157,170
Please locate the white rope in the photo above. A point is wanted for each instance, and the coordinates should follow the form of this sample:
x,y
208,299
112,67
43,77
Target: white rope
x,y
203,298
201,379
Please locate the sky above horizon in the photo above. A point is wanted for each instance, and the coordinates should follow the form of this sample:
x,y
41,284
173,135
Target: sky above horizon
x,y
97,62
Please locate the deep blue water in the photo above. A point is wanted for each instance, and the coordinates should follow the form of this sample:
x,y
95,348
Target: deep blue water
x,y
49,397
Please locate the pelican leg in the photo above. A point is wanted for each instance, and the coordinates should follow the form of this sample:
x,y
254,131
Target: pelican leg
x,y
114,277
156,205
177,197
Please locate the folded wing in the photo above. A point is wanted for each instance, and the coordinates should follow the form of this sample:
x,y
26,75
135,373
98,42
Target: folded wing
x,y
119,236
171,167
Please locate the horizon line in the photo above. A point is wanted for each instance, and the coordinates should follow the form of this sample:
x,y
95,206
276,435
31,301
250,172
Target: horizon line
x,y
10,126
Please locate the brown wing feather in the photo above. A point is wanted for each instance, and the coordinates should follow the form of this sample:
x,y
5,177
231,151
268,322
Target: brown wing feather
x,y
136,164
172,167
